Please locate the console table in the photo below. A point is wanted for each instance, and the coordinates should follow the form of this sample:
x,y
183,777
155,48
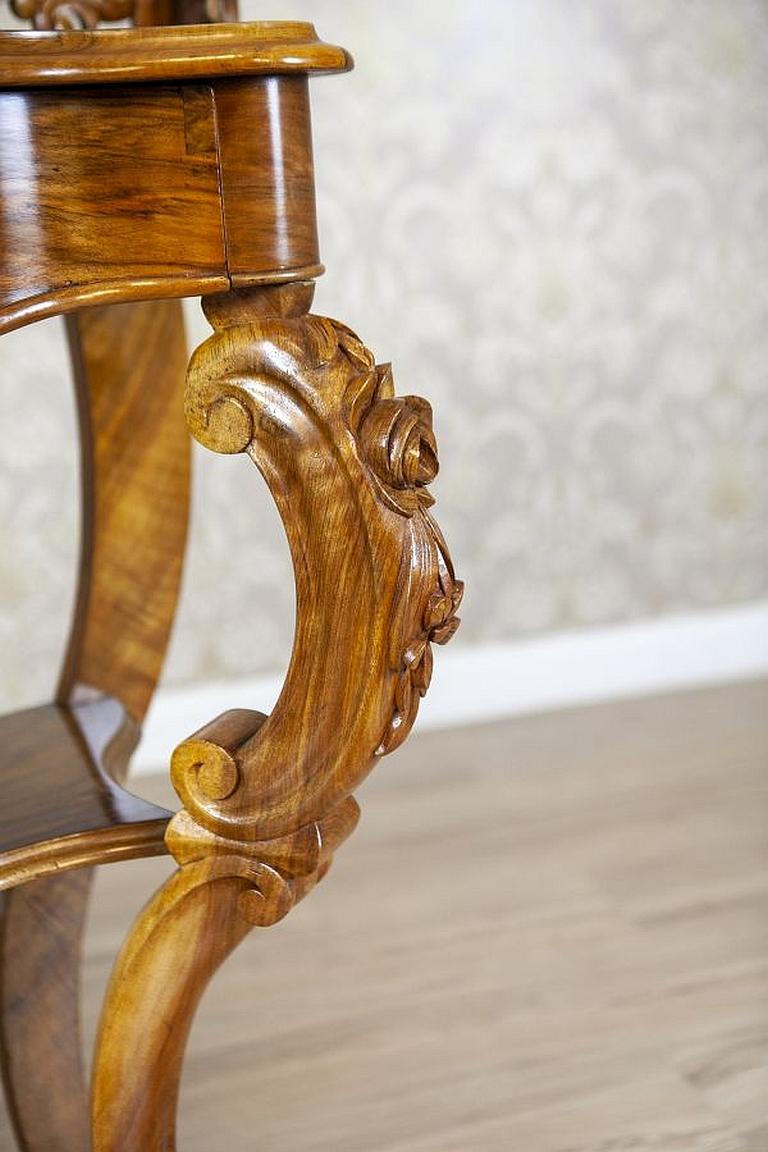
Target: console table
x,y
137,166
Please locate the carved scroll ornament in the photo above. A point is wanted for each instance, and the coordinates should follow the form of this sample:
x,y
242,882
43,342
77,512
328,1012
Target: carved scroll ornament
x,y
348,464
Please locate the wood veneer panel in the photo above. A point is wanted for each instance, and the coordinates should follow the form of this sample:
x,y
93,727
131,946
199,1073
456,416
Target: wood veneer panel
x,y
106,193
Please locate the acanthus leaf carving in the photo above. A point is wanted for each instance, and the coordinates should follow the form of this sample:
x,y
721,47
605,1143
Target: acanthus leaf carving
x,y
438,624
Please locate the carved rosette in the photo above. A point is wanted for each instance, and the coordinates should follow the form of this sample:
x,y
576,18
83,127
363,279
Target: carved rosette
x,y
348,464
396,440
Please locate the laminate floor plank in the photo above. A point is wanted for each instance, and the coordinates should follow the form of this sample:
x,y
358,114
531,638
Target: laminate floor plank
x,y
547,935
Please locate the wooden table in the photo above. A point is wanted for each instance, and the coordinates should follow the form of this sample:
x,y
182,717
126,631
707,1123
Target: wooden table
x,y
138,166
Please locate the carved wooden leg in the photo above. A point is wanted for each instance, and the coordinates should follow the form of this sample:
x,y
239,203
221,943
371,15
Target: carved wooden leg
x,y
135,457
267,800
40,1045
179,941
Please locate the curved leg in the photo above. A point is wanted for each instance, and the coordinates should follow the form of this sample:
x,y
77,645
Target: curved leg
x,y
129,370
181,938
129,362
40,934
267,800
132,550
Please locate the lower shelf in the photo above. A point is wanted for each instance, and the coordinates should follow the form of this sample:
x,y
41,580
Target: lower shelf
x,y
60,804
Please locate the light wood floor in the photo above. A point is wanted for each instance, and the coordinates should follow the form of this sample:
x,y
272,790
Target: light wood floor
x,y
548,935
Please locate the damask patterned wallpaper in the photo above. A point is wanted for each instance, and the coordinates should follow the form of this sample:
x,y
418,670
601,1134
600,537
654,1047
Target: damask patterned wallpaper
x,y
553,217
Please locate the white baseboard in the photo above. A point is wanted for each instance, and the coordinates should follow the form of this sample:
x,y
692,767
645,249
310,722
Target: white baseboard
x,y
489,682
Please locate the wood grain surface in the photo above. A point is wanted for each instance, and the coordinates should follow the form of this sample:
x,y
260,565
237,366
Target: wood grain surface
x,y
105,193
129,363
59,810
153,191
52,59
59,805
547,935
349,464
41,1054
268,799
267,177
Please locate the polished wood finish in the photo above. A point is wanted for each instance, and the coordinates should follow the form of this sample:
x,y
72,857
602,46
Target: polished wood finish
x,y
267,178
59,805
177,944
223,195
41,1052
129,367
348,465
54,59
129,374
107,227
149,182
267,800
60,809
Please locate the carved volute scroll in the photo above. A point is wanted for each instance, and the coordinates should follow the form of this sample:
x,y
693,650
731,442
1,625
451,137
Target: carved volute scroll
x,y
348,464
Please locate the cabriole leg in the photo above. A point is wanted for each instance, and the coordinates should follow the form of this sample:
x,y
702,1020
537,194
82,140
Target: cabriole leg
x,y
41,927
267,800
129,364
